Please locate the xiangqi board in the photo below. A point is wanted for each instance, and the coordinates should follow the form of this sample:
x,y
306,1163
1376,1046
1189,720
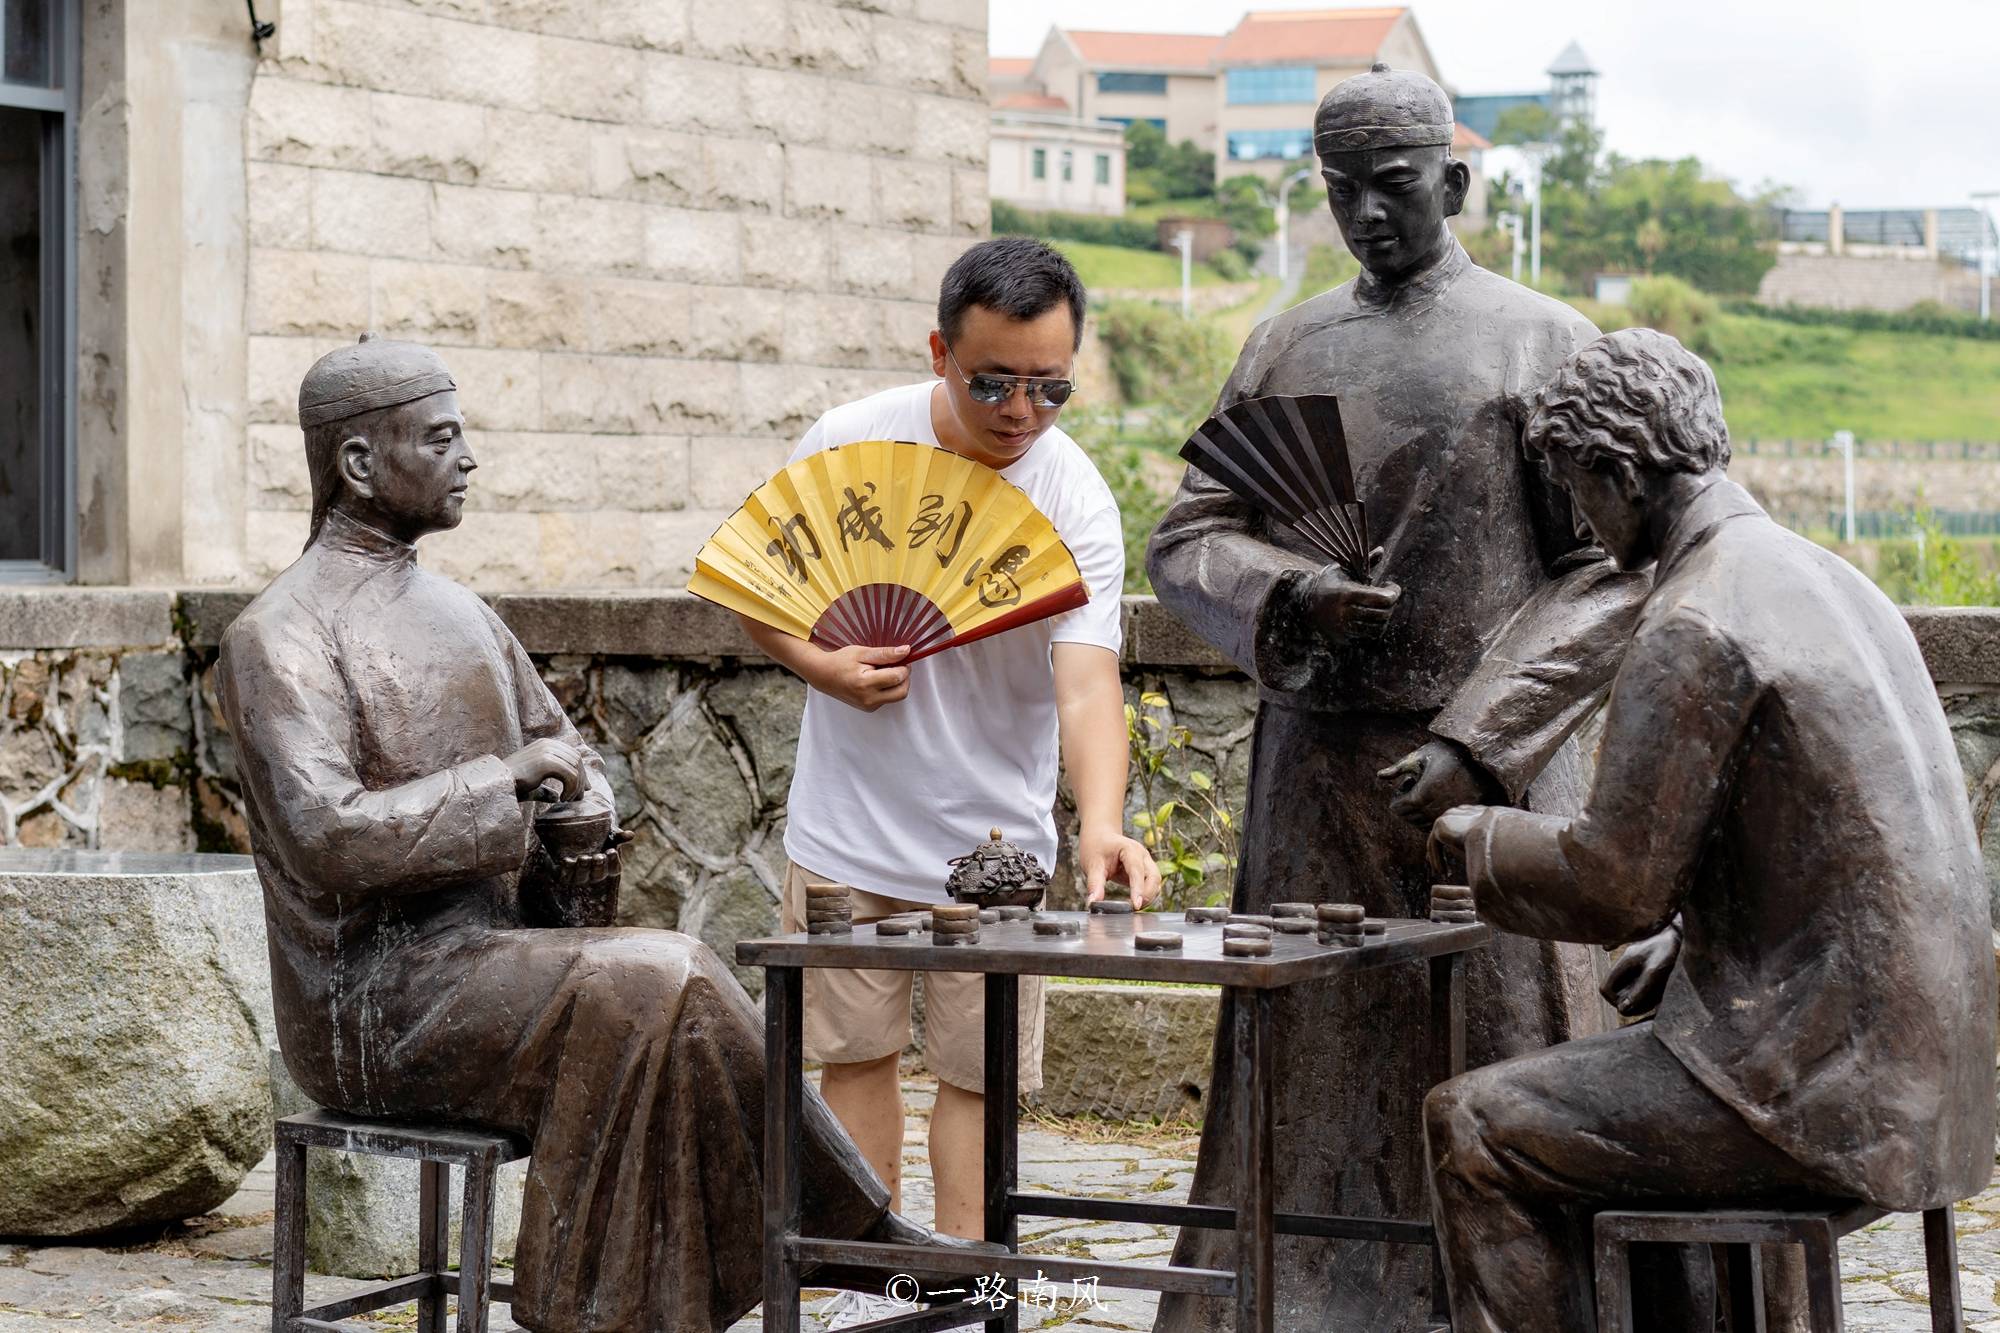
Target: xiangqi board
x,y
888,543
1288,456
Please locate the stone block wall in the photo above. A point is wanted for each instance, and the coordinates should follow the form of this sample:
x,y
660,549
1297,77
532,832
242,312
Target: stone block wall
x,y
1868,282
653,239
110,735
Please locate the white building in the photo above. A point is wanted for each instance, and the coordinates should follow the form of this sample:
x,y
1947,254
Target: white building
x,y
1044,159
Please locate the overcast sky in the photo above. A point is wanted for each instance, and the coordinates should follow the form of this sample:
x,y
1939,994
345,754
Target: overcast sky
x,y
1860,102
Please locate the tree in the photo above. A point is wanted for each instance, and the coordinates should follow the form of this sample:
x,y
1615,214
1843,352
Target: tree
x,y
1165,171
1608,213
1530,122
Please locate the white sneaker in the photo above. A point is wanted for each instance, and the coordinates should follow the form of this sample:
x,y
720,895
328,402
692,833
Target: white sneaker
x,y
847,1308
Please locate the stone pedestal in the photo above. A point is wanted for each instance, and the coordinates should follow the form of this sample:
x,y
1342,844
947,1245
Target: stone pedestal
x,y
136,990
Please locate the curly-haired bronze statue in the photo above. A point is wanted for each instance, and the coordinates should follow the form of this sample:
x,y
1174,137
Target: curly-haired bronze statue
x,y
1777,794
392,736
1494,632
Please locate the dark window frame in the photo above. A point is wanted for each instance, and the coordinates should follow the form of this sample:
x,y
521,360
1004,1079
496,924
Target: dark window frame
x,y
58,110
1131,83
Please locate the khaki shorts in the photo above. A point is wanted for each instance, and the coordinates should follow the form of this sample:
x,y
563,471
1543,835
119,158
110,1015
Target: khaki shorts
x,y
858,1014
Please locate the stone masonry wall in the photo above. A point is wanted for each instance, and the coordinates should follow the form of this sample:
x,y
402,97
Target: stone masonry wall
x,y
110,736
652,238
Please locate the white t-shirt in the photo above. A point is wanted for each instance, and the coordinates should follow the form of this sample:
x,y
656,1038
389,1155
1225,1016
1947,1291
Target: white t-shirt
x,y
883,800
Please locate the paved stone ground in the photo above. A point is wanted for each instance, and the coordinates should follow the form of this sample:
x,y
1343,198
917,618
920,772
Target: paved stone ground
x,y
213,1275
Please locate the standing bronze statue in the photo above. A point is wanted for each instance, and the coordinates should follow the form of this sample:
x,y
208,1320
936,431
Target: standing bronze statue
x,y
1495,633
392,736
1777,771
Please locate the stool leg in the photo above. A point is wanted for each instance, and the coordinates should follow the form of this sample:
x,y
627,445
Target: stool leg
x,y
1745,1290
475,1245
433,1240
1823,1279
1614,1285
1941,1258
288,1248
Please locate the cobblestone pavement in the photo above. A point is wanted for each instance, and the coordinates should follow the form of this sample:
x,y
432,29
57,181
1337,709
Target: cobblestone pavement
x,y
214,1274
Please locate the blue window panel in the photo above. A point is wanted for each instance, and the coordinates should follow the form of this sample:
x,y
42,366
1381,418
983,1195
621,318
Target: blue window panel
x,y
1256,145
1272,83
1155,84
1157,122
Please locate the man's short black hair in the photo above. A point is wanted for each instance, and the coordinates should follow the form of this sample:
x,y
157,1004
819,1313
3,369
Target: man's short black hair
x,y
1018,276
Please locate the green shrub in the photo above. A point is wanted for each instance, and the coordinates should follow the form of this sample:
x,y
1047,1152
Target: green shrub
x,y
1122,464
1673,306
1327,266
1011,221
1935,568
1159,358
1924,317
1231,264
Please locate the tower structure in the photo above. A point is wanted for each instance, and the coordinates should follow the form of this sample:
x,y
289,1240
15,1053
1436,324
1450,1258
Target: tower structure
x,y
1573,87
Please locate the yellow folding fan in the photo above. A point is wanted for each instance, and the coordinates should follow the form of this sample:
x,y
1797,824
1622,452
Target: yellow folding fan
x,y
887,543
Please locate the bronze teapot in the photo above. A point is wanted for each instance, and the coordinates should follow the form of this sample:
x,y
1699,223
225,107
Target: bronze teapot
x,y
996,873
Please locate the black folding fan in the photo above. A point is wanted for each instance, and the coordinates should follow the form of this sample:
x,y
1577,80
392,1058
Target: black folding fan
x,y
1288,456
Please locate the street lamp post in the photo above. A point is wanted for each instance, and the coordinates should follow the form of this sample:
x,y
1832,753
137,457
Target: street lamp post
x,y
1989,253
1536,153
1284,211
1511,224
1185,240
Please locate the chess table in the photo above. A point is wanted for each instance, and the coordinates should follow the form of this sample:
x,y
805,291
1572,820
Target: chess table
x,y
1009,950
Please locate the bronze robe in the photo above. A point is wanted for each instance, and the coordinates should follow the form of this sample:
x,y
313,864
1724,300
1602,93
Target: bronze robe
x,y
370,701
1507,633
1777,770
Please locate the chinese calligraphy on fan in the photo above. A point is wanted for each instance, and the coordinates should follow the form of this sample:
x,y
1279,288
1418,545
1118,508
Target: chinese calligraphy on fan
x,y
1037,1293
940,527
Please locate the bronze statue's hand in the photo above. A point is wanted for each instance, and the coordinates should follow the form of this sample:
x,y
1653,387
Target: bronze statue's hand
x,y
1639,978
586,872
861,677
1444,850
1435,777
548,758
1342,609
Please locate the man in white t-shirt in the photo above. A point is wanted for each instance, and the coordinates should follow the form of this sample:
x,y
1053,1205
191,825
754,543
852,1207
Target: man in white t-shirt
x,y
901,768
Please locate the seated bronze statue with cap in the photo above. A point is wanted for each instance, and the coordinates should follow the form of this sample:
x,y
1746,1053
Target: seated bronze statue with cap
x,y
393,738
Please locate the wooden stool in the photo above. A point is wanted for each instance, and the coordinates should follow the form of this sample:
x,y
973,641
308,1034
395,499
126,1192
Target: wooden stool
x,y
1739,1232
438,1150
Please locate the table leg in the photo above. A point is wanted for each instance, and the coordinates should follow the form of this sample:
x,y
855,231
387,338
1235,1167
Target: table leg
x,y
1256,1231
784,1103
1003,1112
1447,1060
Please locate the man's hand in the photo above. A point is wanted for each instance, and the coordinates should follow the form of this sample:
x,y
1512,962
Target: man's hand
x,y
1107,854
539,761
1342,609
1435,777
864,678
1639,978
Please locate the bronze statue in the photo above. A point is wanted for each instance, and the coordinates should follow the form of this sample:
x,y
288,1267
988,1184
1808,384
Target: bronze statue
x,y
1493,631
1777,795
393,735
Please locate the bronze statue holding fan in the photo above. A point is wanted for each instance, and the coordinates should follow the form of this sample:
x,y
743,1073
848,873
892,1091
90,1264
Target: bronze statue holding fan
x,y
1493,630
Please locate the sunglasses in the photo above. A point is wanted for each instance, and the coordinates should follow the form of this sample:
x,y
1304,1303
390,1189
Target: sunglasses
x,y
992,389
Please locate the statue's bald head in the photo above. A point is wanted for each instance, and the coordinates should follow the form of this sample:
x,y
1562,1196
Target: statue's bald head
x,y
1384,144
360,406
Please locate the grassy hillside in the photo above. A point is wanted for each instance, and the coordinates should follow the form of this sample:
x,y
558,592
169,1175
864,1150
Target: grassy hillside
x,y
1784,380
1116,266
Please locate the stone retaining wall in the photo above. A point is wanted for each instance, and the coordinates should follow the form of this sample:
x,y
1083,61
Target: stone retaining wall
x,y
110,736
